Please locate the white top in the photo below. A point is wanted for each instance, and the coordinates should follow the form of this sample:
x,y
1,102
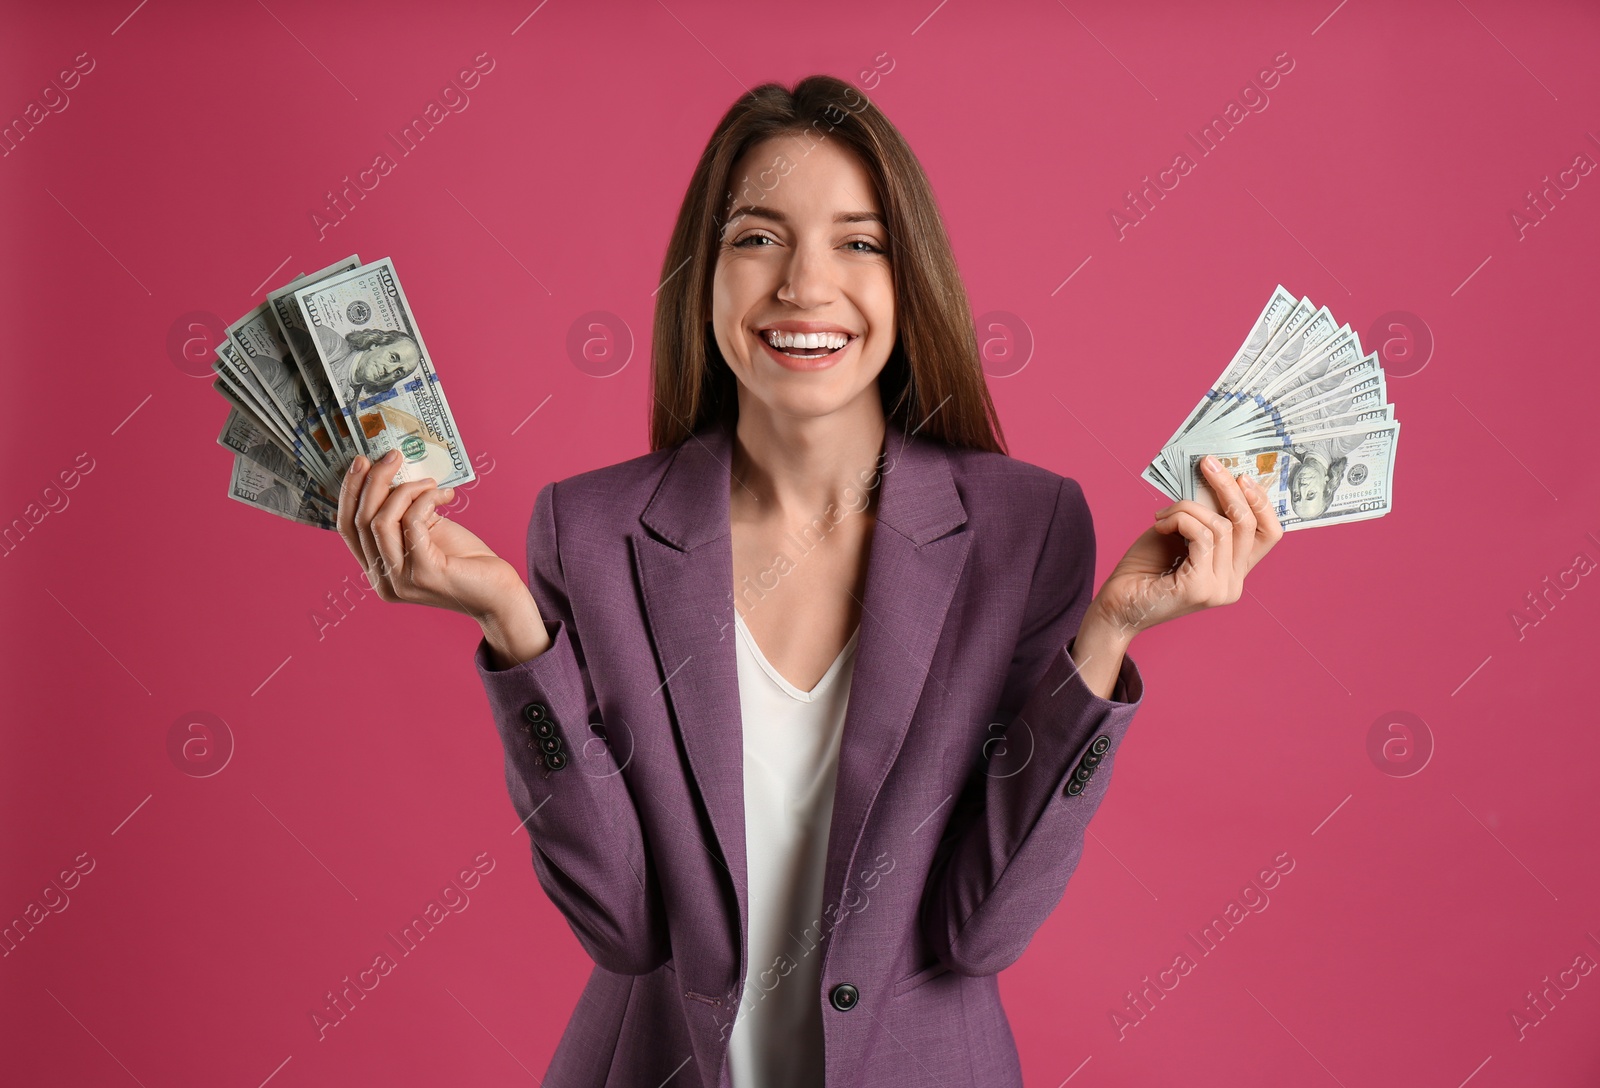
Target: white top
x,y
791,763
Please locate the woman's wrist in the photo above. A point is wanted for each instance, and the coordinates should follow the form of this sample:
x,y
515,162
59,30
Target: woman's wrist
x,y
1098,649
515,634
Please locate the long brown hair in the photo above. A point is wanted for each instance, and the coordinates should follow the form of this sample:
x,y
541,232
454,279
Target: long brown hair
x,y
932,382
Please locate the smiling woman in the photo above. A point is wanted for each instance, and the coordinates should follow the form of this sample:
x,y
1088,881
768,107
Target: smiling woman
x,y
828,142
710,788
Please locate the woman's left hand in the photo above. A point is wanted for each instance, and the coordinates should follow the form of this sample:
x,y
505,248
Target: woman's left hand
x,y
1191,558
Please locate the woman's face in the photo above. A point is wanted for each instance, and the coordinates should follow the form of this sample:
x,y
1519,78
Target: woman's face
x,y
804,251
386,364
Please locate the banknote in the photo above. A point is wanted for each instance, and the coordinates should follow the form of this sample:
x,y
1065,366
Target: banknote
x,y
1331,378
242,434
1271,318
297,498
381,373
243,409
1327,478
1303,411
1297,353
236,383
260,342
306,361
1287,335
294,385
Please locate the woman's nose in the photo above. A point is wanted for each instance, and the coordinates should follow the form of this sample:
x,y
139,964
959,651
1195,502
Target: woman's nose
x,y
808,281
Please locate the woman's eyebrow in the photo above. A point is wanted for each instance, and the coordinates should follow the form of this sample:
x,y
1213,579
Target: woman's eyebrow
x,y
777,216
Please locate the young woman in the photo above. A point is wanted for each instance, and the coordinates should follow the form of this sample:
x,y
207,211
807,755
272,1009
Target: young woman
x,y
806,711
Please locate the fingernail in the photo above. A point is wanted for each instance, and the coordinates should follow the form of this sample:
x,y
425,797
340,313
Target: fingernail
x,y
355,466
390,457
1247,482
1212,463
448,495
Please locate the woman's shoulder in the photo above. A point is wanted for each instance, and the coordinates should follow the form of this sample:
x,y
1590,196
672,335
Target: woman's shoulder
x,y
611,486
1008,486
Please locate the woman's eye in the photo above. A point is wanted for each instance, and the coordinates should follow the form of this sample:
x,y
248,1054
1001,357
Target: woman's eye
x,y
750,240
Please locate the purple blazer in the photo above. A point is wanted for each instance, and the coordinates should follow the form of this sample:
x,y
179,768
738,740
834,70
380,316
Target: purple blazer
x,y
949,844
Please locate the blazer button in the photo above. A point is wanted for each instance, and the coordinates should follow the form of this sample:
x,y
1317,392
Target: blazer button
x,y
1081,773
555,760
844,997
550,745
1090,760
1074,787
1101,743
536,713
544,729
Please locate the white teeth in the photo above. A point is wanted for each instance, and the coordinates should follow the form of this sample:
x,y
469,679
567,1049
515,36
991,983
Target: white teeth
x,y
830,340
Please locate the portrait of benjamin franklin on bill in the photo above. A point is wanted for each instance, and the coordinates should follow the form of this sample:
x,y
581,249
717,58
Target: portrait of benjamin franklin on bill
x,y
1320,464
1318,470
367,361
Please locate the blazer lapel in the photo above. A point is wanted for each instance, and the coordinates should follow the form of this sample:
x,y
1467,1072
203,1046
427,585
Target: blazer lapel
x,y
913,565
685,570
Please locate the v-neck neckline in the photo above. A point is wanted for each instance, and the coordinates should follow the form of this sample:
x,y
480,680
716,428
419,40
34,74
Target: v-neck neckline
x,y
791,690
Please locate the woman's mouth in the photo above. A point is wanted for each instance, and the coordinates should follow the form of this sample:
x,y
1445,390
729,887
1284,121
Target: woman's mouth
x,y
806,351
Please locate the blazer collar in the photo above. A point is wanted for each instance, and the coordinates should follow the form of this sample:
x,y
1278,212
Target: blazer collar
x,y
918,497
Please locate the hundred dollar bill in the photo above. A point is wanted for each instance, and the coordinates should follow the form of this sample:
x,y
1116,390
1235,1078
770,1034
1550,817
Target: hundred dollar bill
x,y
241,407
1361,385
247,438
259,341
1331,375
232,382
238,377
1363,410
1271,318
1290,336
381,373
1319,333
1329,478
1344,408
304,353
296,498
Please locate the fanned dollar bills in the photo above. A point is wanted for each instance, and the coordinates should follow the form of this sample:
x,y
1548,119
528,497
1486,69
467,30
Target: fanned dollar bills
x,y
329,366
1301,409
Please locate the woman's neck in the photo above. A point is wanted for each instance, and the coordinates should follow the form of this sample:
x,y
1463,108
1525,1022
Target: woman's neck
x,y
793,469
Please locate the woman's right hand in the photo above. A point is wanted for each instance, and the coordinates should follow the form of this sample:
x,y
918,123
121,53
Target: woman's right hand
x,y
413,553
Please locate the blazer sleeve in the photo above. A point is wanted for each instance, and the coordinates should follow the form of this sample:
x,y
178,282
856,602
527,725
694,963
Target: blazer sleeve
x,y
1015,836
588,845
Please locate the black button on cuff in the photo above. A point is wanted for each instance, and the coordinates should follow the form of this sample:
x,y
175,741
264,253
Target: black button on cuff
x,y
549,745
1101,743
556,760
1082,773
844,997
535,713
544,729
1074,787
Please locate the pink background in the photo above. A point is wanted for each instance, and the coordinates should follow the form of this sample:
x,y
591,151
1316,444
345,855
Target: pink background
x,y
1421,908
